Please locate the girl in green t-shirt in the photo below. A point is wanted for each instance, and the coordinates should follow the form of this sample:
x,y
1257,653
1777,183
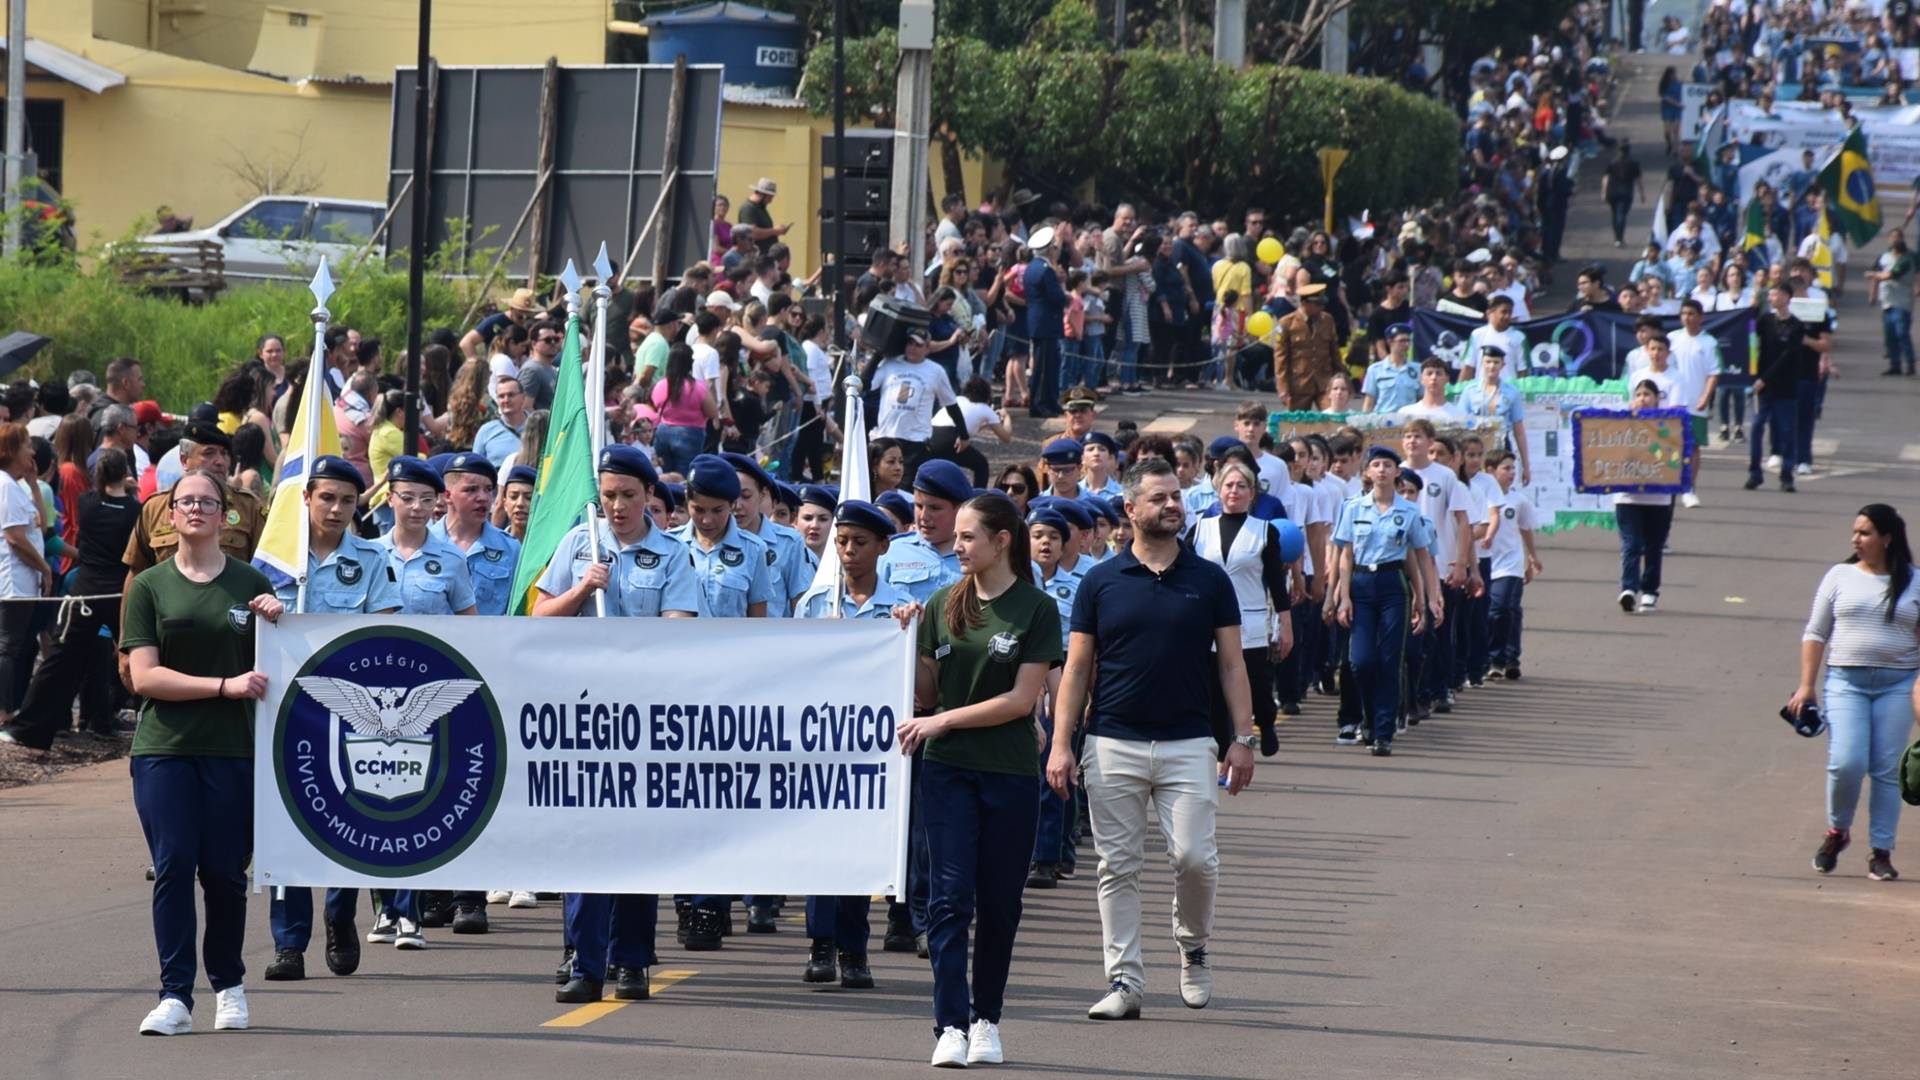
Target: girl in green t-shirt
x,y
986,643
188,636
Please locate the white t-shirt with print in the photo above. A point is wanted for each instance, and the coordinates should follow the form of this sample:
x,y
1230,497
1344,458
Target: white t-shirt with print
x,y
1508,553
909,393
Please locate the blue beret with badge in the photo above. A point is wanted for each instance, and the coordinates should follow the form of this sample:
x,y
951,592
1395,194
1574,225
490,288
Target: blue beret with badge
x,y
1408,476
819,495
1099,507
674,495
1061,451
1101,438
522,474
1077,513
713,477
1399,329
332,467
944,480
746,463
786,494
413,470
1051,518
1222,446
861,514
465,462
895,502
1387,452
624,460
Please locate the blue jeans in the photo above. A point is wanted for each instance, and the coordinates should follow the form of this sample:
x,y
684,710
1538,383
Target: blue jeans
x,y
1780,417
675,446
841,920
1643,537
1733,405
1126,362
1896,326
607,929
978,827
1869,718
1094,369
1619,207
1378,639
1503,631
197,814
1073,363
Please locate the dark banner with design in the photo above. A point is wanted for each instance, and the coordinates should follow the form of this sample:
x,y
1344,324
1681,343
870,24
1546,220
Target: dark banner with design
x,y
1591,344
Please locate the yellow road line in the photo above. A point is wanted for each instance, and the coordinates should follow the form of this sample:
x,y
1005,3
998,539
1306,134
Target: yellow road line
x,y
587,1014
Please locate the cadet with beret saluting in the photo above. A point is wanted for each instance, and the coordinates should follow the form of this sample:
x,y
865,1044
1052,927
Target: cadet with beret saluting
x,y
838,925
733,567
644,573
345,575
787,553
471,482
1378,535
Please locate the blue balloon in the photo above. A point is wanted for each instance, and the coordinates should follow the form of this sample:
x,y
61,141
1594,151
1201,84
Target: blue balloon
x,y
1293,542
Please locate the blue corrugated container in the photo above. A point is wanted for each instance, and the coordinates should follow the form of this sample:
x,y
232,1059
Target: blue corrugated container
x,y
757,47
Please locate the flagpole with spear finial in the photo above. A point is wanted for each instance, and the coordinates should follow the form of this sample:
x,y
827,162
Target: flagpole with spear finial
x,y
597,359
311,397
570,281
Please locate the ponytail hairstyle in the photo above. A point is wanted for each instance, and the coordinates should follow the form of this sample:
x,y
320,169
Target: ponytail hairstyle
x,y
1888,523
998,514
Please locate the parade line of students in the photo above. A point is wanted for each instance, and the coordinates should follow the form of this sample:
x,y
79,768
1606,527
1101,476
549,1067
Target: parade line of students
x,y
1387,578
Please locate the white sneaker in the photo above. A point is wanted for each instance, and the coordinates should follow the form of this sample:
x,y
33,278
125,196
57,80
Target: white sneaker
x,y
383,930
1773,462
1690,501
983,1044
521,899
407,935
951,1051
498,896
1627,600
1196,979
1121,1003
1803,469
230,1009
170,1017
1648,603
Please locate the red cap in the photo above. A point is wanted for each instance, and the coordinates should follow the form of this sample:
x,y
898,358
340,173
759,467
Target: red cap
x,y
148,412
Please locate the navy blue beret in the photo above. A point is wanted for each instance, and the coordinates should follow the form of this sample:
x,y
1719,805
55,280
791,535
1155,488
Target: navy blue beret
x,y
944,480
1220,447
412,470
746,463
1398,329
819,495
1077,513
1101,438
1098,505
522,474
1061,451
1408,476
1384,452
895,502
786,494
628,461
468,462
1052,519
330,467
672,494
864,515
713,477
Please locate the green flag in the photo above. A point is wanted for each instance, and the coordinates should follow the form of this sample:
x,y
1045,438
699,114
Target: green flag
x,y
1853,206
567,482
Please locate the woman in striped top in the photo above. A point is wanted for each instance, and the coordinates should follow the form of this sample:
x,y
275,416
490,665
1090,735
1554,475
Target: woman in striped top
x,y
1866,627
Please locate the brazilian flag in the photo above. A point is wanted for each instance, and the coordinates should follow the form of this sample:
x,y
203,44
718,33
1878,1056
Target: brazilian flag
x,y
1853,206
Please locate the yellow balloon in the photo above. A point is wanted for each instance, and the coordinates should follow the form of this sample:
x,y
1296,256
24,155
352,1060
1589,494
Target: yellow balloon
x,y
1270,251
1260,324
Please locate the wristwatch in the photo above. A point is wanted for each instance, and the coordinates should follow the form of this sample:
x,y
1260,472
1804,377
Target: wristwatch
x,y
1248,741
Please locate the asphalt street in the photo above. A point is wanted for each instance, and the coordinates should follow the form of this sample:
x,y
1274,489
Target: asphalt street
x,y
1598,871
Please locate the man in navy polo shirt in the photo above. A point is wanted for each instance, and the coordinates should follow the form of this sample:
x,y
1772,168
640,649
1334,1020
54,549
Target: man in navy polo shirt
x,y
1149,621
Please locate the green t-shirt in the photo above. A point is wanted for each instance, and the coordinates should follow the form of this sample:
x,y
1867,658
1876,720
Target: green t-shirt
x,y
652,354
1020,626
199,630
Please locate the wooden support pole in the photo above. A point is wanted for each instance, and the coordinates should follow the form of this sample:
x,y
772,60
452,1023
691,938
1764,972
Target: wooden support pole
x,y
669,172
542,200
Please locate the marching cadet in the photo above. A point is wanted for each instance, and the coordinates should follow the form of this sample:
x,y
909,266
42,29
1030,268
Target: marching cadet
x,y
1060,474
1097,546
814,519
1079,519
1380,536
785,503
861,533
516,501
1049,534
345,575
1100,462
899,507
433,579
644,573
491,556
787,553
922,561
675,496
735,566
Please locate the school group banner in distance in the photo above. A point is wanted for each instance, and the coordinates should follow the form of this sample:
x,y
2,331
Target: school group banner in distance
x,y
1591,345
727,756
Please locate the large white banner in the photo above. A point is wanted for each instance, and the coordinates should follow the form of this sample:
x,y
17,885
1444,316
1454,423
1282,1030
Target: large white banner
x,y
1893,135
722,756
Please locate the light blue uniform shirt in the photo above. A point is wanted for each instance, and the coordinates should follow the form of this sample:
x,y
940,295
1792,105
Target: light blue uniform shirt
x,y
791,573
645,579
817,602
1063,586
1378,536
434,581
352,579
1502,401
490,563
915,566
735,573
1198,497
1391,387
1112,487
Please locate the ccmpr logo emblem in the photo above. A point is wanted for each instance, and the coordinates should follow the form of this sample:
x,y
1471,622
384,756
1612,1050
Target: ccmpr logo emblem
x,y
390,752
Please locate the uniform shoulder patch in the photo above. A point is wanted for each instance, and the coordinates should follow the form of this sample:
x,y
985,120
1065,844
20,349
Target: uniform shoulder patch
x,y
771,557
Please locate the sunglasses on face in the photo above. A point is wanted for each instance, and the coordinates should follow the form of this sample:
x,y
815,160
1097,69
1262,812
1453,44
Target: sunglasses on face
x,y
1014,489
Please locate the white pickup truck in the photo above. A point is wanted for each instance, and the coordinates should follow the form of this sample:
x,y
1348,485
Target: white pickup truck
x,y
284,237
